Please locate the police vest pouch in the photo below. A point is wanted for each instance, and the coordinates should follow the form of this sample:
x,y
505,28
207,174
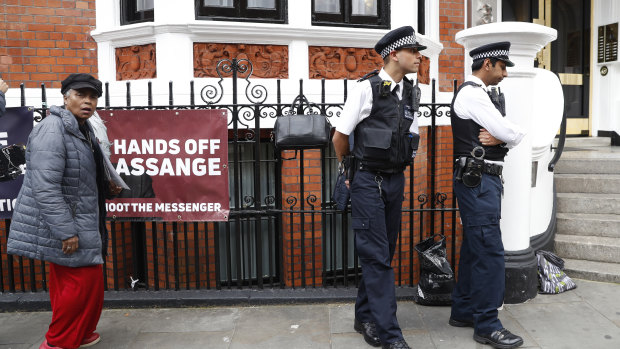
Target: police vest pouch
x,y
301,131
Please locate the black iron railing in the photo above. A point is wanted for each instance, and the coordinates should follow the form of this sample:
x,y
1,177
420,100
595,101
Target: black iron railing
x,y
281,232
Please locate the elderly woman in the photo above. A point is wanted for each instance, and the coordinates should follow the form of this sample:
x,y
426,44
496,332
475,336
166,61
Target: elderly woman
x,y
60,213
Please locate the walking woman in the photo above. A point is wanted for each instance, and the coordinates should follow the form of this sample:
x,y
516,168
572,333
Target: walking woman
x,y
60,213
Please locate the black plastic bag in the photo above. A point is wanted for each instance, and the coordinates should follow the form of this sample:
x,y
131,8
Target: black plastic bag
x,y
12,159
436,275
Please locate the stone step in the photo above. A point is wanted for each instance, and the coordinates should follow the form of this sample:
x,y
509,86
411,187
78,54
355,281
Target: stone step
x,y
591,248
589,224
595,271
592,165
588,183
580,142
588,203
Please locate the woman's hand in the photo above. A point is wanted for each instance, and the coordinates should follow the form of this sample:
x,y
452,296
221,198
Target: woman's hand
x,y
70,245
114,189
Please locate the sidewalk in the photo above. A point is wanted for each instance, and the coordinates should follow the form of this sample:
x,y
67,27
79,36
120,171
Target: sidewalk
x,y
585,318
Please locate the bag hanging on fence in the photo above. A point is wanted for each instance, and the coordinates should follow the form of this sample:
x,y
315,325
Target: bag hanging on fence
x,y
550,275
301,131
11,160
436,275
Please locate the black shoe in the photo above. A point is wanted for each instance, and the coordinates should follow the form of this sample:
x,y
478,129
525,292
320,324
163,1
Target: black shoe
x,y
460,323
401,344
369,331
502,339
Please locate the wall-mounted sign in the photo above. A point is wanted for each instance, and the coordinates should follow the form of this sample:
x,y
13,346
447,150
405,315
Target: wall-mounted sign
x,y
608,43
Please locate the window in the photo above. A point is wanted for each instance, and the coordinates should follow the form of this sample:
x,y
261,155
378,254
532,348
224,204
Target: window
x,y
136,11
354,13
252,10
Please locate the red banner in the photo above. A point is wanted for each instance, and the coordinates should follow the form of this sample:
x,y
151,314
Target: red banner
x,y
175,163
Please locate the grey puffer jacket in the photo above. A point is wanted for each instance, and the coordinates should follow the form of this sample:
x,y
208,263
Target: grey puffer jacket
x,y
58,199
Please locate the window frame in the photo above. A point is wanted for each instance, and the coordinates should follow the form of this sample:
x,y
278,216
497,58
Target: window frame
x,y
130,15
241,13
346,19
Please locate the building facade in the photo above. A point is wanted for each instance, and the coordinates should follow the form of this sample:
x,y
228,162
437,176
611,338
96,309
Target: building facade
x,y
319,47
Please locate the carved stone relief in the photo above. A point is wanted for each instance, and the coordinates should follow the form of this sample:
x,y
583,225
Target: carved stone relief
x,y
136,62
268,61
351,63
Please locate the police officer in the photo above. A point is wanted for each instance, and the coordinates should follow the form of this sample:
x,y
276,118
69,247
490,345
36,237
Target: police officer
x,y
481,138
381,115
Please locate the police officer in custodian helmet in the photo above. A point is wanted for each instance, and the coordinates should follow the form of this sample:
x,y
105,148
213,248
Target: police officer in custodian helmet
x,y
481,139
380,115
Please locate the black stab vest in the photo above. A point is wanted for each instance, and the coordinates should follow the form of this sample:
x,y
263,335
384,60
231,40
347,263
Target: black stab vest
x,y
465,133
383,142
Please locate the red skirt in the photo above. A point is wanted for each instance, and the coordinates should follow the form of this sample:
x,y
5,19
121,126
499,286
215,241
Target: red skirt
x,y
76,295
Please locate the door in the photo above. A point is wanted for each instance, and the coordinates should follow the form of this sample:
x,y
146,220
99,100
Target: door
x,y
568,55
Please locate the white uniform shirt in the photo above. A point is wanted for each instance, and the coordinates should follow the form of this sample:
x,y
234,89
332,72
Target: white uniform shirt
x,y
474,103
359,104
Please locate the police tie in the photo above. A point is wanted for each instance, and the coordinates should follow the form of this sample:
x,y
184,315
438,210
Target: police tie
x,y
395,91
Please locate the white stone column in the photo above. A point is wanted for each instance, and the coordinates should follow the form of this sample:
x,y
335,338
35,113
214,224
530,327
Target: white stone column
x,y
526,40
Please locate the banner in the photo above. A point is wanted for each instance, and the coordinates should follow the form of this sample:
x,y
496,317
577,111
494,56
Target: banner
x,y
15,126
174,161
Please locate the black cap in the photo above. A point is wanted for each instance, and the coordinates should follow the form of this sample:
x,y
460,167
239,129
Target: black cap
x,y
81,80
402,37
498,50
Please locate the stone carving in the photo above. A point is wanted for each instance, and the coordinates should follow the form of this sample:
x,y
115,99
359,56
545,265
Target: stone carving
x,y
268,61
136,62
342,62
424,71
351,63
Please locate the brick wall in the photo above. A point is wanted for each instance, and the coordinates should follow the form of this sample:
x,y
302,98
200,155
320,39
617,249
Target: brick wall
x,y
43,41
451,60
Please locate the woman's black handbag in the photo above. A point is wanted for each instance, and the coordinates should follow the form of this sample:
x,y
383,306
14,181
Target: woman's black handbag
x,y
301,131
436,275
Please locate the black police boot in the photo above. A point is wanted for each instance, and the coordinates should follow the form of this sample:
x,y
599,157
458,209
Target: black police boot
x,y
369,330
401,344
460,323
502,339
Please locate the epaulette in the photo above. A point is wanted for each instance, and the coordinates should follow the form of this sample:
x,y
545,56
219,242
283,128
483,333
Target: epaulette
x,y
372,73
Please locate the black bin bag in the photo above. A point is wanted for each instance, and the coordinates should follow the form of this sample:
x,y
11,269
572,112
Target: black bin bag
x,y
436,275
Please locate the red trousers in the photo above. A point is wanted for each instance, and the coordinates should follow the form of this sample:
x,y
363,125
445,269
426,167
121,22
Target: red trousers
x,y
76,295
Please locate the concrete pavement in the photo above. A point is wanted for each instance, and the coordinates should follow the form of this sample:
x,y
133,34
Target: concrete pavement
x,y
585,318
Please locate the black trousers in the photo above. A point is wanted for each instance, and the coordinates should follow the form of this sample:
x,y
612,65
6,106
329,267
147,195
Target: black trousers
x,y
376,202
481,278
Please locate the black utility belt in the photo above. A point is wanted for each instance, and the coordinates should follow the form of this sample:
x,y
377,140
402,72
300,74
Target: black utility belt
x,y
469,170
382,171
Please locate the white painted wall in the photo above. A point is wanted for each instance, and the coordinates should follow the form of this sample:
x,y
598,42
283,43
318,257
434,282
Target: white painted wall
x,y
605,97
175,29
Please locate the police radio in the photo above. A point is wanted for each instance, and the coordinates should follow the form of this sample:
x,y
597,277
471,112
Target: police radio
x,y
497,97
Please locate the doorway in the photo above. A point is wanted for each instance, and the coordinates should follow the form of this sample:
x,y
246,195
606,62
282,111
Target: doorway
x,y
568,55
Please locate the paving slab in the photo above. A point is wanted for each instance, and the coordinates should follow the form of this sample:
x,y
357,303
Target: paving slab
x,y
567,325
185,340
22,328
274,327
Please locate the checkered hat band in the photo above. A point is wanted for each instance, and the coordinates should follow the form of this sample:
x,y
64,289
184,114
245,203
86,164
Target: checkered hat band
x,y
491,54
407,40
